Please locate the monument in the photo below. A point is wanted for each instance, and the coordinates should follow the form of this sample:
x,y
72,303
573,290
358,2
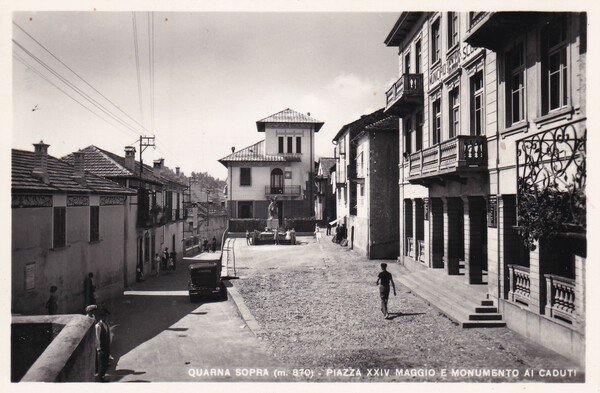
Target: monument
x,y
273,220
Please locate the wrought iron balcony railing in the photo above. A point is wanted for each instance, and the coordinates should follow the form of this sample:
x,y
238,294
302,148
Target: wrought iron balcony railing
x,y
463,153
406,93
283,190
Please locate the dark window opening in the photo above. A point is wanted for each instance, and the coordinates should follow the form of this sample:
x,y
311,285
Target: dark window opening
x,y
94,223
298,144
245,177
60,227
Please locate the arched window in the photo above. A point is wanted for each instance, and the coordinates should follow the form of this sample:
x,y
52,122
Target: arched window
x,y
276,181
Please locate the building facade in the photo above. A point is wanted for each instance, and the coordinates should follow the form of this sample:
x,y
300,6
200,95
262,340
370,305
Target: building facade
x,y
280,166
66,223
477,92
158,220
324,197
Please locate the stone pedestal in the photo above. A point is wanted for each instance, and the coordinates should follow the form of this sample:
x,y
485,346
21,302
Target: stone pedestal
x,y
273,223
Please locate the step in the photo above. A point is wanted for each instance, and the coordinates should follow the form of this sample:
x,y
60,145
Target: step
x,y
455,312
444,280
460,296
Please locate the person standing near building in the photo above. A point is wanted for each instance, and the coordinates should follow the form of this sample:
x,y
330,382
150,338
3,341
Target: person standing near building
x,y
165,258
174,259
214,244
247,237
102,343
157,261
89,289
52,303
384,279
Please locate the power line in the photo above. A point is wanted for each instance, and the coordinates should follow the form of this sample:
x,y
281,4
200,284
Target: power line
x,y
79,76
22,61
151,65
137,65
78,90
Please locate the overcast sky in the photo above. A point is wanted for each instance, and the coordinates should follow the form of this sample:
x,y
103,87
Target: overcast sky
x,y
215,75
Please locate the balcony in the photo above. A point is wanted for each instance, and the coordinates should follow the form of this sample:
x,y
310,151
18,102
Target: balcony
x,y
283,190
492,30
455,158
404,95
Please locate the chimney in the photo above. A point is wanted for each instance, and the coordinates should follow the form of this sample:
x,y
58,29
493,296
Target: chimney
x,y
177,170
158,166
40,166
233,149
130,158
79,171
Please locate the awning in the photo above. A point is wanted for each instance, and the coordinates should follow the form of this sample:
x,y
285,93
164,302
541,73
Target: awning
x,y
336,221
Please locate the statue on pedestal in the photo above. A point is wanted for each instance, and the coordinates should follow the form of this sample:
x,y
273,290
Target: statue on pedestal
x,y
273,213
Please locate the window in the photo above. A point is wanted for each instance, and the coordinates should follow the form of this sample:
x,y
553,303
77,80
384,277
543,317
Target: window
x,y
298,144
435,41
408,135
477,117
245,209
94,223
515,84
419,131
407,63
554,65
147,248
437,121
280,144
60,227
245,177
418,57
454,111
452,29
290,143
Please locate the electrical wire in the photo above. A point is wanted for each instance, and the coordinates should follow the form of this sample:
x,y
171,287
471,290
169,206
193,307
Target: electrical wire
x,y
79,76
26,64
77,89
137,65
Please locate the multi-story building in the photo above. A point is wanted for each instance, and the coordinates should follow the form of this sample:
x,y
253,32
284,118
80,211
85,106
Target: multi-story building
x,y
493,121
158,222
66,223
366,154
324,197
280,166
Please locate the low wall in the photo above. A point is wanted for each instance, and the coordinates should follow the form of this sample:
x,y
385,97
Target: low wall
x,y
238,225
552,335
56,348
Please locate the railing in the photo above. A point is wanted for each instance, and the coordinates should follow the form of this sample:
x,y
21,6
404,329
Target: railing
x,y
291,156
560,297
283,190
410,247
463,151
519,286
421,250
407,85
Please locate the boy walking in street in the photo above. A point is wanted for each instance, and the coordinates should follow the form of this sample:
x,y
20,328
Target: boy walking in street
x,y
52,303
102,343
383,280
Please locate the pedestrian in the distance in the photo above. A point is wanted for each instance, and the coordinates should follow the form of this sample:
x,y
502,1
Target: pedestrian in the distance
x,y
89,289
52,303
205,245
166,258
102,343
157,261
384,279
214,244
174,259
247,237
328,226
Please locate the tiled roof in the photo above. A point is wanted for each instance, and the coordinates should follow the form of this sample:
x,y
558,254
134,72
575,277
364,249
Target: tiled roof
x,y
326,163
107,164
358,125
253,153
288,116
388,124
61,177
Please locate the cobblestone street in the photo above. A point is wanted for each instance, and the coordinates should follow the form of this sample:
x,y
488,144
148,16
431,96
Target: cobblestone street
x,y
318,306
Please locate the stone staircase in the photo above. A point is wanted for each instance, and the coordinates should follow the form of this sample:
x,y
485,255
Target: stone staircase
x,y
465,304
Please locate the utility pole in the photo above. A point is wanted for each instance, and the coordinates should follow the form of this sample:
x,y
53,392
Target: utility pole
x,y
145,141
